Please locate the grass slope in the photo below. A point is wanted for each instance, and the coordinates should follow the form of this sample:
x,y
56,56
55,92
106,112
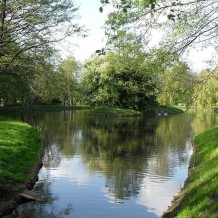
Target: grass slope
x,y
107,111
20,147
168,109
199,198
45,107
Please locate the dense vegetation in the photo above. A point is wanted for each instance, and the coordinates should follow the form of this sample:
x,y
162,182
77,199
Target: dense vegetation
x,y
131,74
199,198
20,148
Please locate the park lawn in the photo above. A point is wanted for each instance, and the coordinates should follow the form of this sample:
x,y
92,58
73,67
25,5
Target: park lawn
x,y
199,197
20,149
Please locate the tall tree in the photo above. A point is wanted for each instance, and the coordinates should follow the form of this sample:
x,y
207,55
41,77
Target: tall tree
x,y
206,90
178,83
33,25
28,30
66,86
126,78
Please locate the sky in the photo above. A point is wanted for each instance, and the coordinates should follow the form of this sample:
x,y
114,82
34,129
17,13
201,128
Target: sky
x,y
83,48
93,21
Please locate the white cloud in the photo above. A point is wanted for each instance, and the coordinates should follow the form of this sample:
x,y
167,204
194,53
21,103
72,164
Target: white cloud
x,y
71,170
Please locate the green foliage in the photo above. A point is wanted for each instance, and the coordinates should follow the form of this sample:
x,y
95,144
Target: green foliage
x,y
178,84
20,147
120,81
27,31
206,91
199,197
66,83
125,78
188,22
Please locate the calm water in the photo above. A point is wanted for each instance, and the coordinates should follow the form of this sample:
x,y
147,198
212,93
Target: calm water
x,y
112,168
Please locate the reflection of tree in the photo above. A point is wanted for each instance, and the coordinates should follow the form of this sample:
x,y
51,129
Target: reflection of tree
x,y
125,149
60,128
52,157
172,136
203,121
121,149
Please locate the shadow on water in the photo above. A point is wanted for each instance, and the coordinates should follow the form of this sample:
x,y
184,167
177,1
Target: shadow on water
x,y
125,167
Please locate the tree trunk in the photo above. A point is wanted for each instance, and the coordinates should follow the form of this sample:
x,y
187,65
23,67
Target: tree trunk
x,y
3,16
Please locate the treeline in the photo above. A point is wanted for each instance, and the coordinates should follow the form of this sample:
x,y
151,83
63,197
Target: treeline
x,y
143,81
40,82
126,79
29,70
129,75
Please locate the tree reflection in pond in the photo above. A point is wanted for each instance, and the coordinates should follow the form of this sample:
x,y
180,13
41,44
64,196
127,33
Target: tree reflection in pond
x,y
123,149
132,157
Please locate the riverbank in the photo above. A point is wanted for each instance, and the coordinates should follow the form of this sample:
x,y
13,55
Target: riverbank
x,y
118,112
113,112
40,108
166,109
20,160
199,197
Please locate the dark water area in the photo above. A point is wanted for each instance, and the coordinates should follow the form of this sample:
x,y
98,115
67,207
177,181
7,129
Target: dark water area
x,y
112,167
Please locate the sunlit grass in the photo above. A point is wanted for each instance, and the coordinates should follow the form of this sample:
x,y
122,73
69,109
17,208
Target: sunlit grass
x,y
20,147
199,198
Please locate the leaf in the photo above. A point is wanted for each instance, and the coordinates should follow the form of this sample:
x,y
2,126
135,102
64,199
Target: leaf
x,y
101,9
125,10
171,17
98,51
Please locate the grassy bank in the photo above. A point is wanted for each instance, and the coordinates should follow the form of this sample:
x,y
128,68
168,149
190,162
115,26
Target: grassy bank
x,y
199,197
20,149
168,109
116,112
110,111
41,108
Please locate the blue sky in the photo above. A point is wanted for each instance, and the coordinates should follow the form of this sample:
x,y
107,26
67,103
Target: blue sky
x,y
93,21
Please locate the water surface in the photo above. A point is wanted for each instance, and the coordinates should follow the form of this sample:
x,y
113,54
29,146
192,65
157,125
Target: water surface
x,y
105,167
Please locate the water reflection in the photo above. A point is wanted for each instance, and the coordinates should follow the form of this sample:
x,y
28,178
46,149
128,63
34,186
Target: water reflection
x,y
96,167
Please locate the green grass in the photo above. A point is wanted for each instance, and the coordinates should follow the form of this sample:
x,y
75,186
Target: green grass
x,y
169,109
20,148
107,111
199,198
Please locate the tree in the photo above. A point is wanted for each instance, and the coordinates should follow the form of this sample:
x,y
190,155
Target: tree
x,y
43,84
66,86
126,78
183,23
178,83
189,22
32,26
206,90
27,30
15,83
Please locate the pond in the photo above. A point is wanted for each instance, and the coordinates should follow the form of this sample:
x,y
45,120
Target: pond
x,y
112,167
